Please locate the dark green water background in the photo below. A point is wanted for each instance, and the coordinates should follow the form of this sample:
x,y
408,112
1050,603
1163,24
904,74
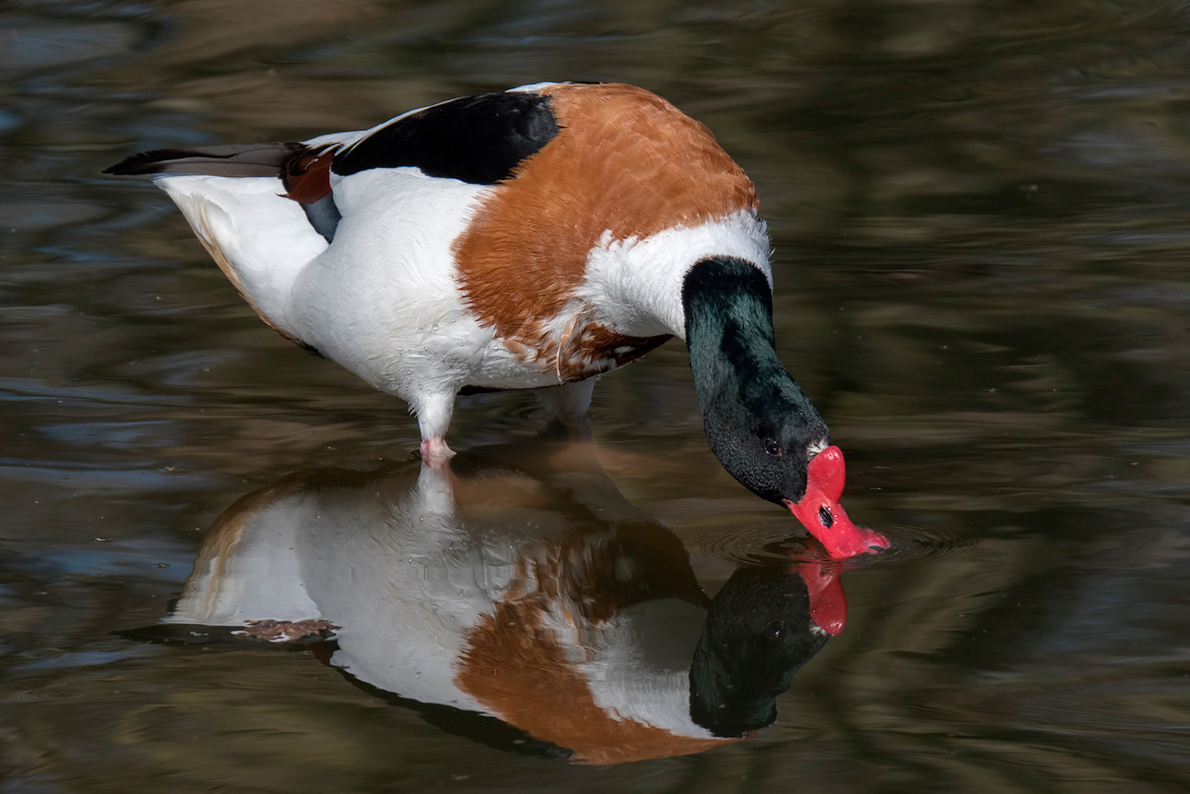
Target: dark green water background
x,y
979,211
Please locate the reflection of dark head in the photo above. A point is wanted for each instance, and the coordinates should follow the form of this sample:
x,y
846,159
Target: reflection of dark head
x,y
758,633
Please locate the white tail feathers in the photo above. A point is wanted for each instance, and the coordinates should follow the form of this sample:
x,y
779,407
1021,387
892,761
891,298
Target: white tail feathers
x,y
260,239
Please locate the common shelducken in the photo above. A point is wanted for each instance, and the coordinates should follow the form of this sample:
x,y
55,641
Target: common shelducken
x,y
529,239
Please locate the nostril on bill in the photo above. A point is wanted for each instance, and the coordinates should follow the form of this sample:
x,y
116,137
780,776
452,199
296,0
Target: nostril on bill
x,y
825,517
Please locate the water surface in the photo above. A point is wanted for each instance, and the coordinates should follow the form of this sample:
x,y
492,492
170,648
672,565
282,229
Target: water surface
x,y
979,217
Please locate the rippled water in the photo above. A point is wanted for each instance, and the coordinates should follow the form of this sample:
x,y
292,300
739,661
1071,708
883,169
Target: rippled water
x,y
979,212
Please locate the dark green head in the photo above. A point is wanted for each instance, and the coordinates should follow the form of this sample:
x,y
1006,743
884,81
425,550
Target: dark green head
x,y
760,425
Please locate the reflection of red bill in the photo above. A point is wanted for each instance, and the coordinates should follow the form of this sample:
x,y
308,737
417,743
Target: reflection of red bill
x,y
828,602
820,512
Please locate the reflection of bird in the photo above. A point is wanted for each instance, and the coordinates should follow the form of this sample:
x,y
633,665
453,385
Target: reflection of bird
x,y
532,238
548,602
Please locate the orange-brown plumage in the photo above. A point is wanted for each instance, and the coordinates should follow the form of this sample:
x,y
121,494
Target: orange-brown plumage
x,y
625,162
307,176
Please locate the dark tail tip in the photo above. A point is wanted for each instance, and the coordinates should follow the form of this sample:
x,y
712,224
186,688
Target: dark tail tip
x,y
253,159
144,162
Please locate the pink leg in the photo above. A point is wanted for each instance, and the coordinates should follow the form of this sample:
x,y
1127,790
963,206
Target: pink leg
x,y
435,453
433,410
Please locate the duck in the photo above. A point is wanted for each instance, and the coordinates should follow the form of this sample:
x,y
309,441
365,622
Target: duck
x,y
534,238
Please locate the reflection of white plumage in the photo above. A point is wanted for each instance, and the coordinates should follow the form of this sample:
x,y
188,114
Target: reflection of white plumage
x,y
501,595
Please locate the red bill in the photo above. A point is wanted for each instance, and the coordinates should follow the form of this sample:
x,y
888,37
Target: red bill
x,y
820,512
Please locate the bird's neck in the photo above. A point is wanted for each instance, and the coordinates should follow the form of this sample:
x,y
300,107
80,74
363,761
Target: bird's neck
x,y
729,328
637,283
742,385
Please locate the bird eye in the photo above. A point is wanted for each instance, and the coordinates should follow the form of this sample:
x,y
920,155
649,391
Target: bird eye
x,y
772,447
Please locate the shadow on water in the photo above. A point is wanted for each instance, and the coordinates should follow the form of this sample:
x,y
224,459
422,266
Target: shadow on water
x,y
519,586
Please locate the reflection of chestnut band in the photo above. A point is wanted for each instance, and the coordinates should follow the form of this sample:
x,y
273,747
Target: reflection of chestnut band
x,y
547,601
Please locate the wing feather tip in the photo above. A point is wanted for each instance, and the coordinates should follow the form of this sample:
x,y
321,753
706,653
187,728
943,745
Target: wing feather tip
x,y
233,160
139,163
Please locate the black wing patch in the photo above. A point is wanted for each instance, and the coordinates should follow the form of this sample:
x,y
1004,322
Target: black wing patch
x,y
476,139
